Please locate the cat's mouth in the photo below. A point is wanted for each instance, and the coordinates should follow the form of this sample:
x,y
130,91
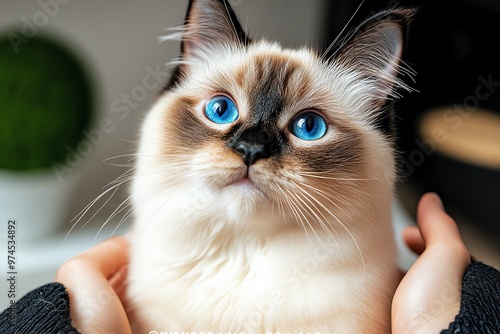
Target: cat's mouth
x,y
244,179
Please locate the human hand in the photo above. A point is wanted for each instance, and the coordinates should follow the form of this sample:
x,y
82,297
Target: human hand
x,y
428,298
95,281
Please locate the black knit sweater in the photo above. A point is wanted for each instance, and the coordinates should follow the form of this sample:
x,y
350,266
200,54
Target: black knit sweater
x,y
42,311
480,304
46,309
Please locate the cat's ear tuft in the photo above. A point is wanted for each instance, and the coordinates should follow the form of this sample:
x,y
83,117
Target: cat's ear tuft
x,y
376,47
210,23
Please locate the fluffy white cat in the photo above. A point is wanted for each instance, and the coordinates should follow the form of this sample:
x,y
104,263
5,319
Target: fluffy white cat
x,y
263,184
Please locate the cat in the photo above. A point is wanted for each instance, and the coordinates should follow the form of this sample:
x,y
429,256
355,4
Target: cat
x,y
264,181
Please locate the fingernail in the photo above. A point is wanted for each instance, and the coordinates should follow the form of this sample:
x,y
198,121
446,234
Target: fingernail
x,y
438,200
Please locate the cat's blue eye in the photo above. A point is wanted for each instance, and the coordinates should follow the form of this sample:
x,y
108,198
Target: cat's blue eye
x,y
221,110
309,126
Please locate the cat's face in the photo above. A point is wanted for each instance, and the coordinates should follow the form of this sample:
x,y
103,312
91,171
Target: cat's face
x,y
258,129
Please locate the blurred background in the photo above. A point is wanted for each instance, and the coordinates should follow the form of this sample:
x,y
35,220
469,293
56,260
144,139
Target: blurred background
x,y
105,59
449,129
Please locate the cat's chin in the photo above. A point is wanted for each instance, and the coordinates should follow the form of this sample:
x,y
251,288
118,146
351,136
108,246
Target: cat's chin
x,y
244,184
245,191
243,199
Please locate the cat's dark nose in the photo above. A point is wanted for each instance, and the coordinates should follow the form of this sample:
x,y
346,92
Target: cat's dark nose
x,y
250,152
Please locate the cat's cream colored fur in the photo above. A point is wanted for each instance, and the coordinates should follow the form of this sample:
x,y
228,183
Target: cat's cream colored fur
x,y
299,249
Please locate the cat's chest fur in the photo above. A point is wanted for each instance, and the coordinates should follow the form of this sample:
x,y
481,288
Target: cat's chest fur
x,y
260,280
287,283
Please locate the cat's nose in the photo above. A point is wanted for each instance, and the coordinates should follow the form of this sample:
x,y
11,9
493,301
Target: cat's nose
x,y
250,152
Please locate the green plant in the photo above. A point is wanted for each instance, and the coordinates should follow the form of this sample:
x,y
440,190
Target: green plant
x,y
45,103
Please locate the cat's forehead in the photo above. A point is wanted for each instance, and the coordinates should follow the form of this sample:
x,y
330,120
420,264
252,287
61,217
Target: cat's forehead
x,y
269,81
270,78
276,67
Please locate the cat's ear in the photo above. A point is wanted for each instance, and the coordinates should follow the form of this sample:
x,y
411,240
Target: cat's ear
x,y
376,47
208,24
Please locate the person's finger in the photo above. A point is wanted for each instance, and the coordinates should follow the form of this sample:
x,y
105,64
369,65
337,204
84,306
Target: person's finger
x,y
119,283
440,233
434,223
109,256
436,276
430,209
413,239
94,304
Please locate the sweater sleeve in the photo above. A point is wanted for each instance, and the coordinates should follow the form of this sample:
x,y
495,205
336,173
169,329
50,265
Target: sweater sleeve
x,y
43,310
480,302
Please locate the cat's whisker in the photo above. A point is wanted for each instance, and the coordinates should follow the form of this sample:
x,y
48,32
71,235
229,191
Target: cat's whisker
x,y
82,213
130,163
123,178
128,140
320,192
325,196
309,209
281,210
297,216
120,165
162,170
113,186
313,214
131,170
145,223
338,221
350,183
300,208
331,229
332,44
128,155
353,185
111,217
289,202
127,215
316,211
320,176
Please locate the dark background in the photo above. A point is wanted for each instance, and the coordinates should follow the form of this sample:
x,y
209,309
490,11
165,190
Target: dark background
x,y
451,45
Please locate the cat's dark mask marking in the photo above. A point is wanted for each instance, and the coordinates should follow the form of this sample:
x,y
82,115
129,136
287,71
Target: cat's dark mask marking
x,y
186,131
267,100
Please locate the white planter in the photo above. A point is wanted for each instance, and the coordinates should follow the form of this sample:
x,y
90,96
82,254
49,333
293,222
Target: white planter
x,y
38,202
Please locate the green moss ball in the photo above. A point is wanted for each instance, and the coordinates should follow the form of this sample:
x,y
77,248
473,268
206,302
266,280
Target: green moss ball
x,y
45,102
